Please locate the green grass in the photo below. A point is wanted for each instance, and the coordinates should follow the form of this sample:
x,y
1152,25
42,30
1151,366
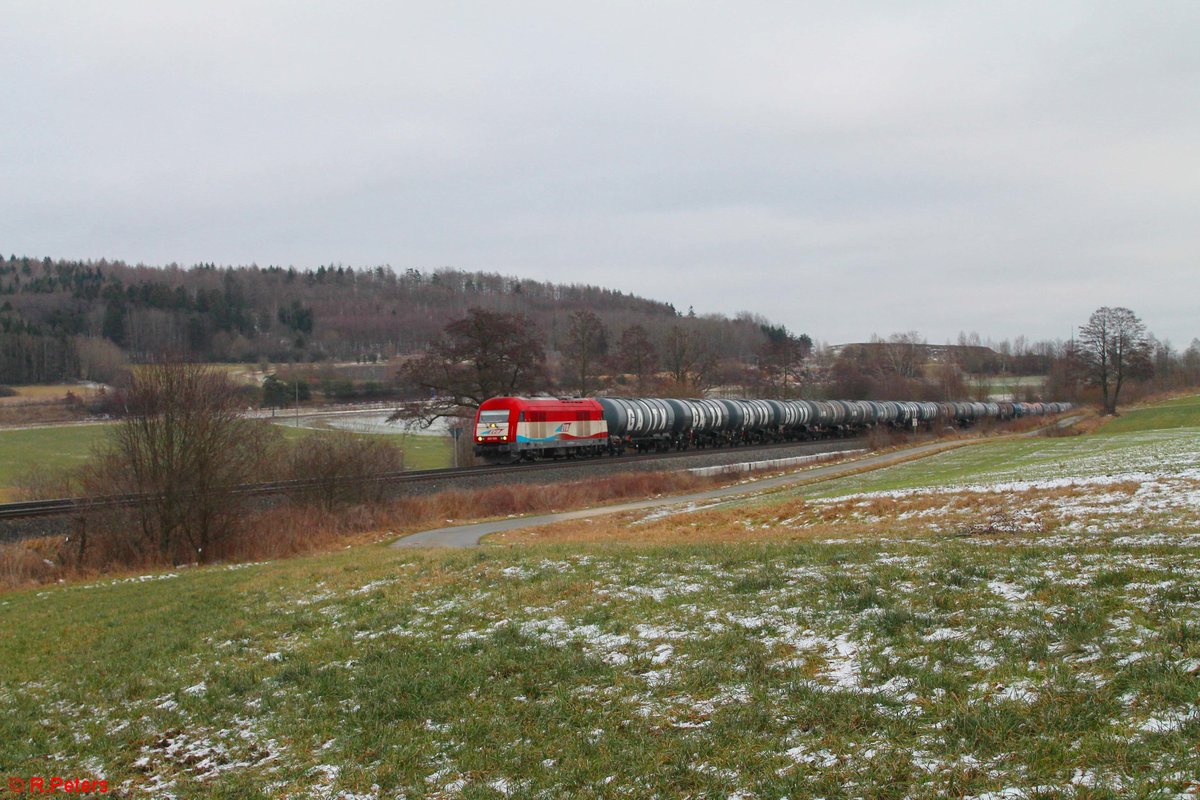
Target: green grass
x,y
63,447
238,371
425,452
893,670
1011,383
420,452
1139,440
1183,412
1027,460
51,447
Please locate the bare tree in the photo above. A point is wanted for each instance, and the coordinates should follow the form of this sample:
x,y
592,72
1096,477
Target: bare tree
x,y
185,444
850,374
689,355
1191,363
905,353
587,341
1113,347
99,359
781,359
679,355
485,354
948,372
636,355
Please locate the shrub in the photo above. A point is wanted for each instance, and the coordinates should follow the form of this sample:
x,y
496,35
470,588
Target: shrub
x,y
184,444
344,469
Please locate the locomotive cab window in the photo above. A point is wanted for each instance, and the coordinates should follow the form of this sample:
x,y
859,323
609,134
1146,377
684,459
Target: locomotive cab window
x,y
487,417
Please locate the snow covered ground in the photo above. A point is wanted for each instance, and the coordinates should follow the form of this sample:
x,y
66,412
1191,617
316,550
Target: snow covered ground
x,y
1151,478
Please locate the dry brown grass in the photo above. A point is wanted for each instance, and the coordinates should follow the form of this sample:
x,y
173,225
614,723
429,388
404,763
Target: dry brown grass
x,y
1089,423
27,563
447,508
109,542
55,393
40,414
936,514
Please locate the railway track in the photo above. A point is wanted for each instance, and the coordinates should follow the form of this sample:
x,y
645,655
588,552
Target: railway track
x,y
66,506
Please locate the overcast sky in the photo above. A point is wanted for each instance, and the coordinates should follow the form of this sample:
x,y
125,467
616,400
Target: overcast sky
x,y
843,168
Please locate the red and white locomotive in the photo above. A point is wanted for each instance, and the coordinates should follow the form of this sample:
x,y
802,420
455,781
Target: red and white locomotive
x,y
512,428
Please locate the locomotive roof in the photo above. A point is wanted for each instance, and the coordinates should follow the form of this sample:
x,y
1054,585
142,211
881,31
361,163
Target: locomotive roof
x,y
504,402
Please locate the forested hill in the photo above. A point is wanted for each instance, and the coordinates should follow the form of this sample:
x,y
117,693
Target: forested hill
x,y
64,319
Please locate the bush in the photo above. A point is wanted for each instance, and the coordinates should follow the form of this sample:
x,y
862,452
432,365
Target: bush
x,y
107,403
344,468
881,437
185,444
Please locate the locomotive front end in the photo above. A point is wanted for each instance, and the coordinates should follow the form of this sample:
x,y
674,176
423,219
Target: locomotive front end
x,y
495,429
509,429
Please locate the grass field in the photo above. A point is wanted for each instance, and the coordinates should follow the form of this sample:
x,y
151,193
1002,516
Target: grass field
x,y
420,452
1183,412
425,452
1011,384
873,642
1162,439
50,448
67,446
1033,460
872,670
239,372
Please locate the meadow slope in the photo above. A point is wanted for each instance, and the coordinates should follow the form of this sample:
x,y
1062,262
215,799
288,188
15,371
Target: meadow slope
x,y
786,646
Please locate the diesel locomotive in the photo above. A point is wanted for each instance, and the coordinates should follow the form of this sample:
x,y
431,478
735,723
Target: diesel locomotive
x,y
509,429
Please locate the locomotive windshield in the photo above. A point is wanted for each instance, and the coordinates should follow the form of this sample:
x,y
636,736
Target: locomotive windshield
x,y
486,417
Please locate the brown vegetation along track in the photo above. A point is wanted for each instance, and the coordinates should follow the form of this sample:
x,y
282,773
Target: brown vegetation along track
x,y
50,517
471,535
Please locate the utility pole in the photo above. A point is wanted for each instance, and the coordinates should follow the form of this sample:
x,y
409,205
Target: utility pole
x,y
455,432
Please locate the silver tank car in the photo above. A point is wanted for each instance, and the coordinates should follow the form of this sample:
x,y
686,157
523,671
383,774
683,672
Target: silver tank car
x,y
662,423
710,415
783,415
644,423
885,413
870,414
804,411
927,412
748,419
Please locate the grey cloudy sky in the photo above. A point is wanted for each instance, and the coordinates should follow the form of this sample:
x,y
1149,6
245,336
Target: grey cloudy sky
x,y
843,168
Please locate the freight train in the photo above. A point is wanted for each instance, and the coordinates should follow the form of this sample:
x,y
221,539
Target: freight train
x,y
509,429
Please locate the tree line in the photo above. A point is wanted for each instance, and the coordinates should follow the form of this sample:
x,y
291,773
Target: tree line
x,y
52,313
487,354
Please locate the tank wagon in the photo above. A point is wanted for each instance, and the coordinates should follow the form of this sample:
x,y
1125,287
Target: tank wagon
x,y
522,428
